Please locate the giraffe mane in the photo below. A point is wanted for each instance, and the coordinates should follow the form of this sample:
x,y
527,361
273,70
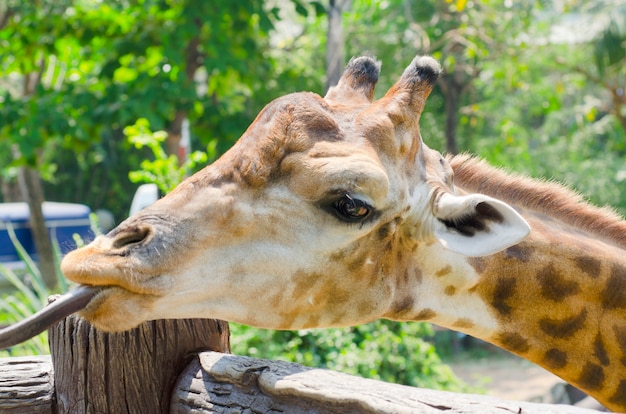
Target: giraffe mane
x,y
545,197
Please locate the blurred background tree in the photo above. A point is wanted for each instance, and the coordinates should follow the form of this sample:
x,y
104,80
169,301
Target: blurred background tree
x,y
535,86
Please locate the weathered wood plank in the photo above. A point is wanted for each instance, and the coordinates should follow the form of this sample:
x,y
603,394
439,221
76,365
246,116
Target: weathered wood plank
x,y
26,385
220,383
127,372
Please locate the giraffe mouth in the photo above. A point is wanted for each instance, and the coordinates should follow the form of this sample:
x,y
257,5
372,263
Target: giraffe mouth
x,y
65,305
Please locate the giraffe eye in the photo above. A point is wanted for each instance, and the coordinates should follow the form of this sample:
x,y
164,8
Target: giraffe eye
x,y
351,209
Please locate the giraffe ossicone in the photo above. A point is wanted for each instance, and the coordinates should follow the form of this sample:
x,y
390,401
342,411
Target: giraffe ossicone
x,y
332,211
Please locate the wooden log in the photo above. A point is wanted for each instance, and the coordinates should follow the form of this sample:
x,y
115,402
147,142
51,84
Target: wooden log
x,y
219,383
212,383
26,385
128,372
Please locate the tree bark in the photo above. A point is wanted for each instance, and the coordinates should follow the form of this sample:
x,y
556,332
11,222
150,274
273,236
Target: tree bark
x,y
619,105
452,94
30,186
335,55
10,191
128,372
453,85
193,61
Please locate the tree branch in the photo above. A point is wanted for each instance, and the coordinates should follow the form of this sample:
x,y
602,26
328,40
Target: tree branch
x,y
193,61
4,20
618,100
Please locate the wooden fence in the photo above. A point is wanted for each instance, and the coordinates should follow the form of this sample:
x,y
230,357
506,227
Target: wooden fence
x,y
183,366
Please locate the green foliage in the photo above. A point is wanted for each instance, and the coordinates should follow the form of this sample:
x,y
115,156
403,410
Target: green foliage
x,y
609,52
30,296
537,117
164,170
30,293
73,73
384,350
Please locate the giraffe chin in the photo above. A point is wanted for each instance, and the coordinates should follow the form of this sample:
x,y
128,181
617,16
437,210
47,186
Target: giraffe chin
x,y
116,309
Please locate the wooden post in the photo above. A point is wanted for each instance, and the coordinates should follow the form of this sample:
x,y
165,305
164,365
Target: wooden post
x,y
128,372
26,385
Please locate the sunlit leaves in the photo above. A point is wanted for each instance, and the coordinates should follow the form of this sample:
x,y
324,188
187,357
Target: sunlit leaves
x,y
384,350
610,44
105,64
164,170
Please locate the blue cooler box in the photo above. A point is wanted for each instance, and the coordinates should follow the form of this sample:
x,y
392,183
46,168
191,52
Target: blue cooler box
x,y
63,220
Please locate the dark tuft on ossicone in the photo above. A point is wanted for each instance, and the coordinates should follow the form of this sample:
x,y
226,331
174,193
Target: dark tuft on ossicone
x,y
423,69
363,69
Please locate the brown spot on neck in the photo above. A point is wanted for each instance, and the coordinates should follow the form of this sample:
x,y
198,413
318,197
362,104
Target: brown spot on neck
x,y
555,359
401,308
614,294
588,265
513,342
619,398
444,271
519,252
591,377
563,328
502,292
599,350
450,290
620,337
424,315
462,323
554,286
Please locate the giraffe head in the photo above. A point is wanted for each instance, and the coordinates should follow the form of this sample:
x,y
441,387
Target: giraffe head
x,y
308,221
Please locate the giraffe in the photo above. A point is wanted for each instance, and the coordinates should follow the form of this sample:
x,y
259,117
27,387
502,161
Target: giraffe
x,y
333,212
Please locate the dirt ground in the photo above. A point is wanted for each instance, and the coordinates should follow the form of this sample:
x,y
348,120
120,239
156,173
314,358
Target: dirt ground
x,y
506,376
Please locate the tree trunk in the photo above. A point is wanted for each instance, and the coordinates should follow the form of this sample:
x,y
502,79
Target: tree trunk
x,y
451,99
453,85
619,106
128,372
174,134
193,61
10,191
30,186
335,55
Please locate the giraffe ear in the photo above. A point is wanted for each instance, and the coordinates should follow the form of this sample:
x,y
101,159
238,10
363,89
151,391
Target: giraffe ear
x,y
477,225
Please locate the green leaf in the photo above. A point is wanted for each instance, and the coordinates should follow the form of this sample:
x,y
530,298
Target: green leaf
x,y
300,8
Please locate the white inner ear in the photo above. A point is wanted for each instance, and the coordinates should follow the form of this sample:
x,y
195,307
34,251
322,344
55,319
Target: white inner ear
x,y
477,225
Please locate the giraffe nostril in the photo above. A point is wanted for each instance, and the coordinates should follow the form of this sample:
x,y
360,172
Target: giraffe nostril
x,y
131,236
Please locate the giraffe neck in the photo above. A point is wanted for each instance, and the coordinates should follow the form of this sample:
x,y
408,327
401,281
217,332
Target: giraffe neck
x,y
557,299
